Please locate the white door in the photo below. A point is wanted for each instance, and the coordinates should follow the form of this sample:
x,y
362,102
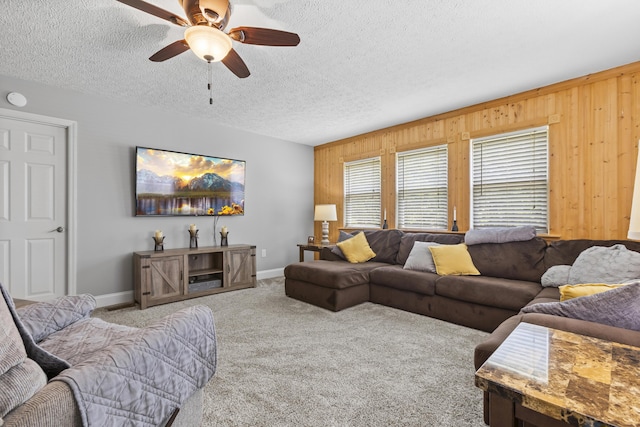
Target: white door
x,y
33,208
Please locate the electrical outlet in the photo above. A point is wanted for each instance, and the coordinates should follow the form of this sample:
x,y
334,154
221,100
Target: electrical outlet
x,y
264,253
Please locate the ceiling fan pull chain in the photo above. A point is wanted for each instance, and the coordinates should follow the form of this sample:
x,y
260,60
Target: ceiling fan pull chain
x,y
209,79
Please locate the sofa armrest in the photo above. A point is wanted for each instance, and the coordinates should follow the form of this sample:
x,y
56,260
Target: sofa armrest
x,y
582,327
52,406
22,302
486,348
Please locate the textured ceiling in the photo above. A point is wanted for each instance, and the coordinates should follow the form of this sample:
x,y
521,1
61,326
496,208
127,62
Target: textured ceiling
x,y
361,65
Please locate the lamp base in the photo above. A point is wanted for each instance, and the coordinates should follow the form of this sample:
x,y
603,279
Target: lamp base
x,y
325,233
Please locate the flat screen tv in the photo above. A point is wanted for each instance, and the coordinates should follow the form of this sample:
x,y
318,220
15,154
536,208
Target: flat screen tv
x,y
183,184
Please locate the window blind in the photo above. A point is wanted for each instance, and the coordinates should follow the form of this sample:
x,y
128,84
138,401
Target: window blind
x,y
510,180
362,193
422,188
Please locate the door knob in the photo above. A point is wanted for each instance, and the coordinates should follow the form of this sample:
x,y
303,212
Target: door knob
x,y
59,229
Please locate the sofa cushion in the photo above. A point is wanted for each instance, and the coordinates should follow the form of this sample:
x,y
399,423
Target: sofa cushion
x,y
546,295
394,276
490,291
565,252
618,307
356,249
385,244
420,258
513,260
20,377
408,239
453,260
331,274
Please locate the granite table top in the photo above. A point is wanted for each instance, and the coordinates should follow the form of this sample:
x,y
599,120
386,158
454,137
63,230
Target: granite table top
x,y
580,380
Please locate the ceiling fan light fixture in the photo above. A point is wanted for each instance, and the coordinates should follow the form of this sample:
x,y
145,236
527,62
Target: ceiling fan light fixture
x,y
208,42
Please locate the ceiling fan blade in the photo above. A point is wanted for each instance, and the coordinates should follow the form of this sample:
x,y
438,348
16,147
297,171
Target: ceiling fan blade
x,y
175,48
156,11
236,64
264,36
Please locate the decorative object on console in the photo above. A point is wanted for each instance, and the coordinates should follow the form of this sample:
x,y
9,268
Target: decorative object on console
x,y
158,238
325,213
224,232
384,222
634,219
193,236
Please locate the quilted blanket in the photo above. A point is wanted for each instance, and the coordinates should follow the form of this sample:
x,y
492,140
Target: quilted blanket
x,y
122,376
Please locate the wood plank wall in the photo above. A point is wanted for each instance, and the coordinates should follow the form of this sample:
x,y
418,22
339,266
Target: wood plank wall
x,y
594,128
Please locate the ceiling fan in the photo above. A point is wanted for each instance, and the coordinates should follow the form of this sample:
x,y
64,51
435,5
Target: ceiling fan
x,y
204,35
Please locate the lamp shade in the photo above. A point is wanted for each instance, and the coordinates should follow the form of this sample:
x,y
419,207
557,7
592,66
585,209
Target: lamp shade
x,y
634,220
325,213
208,43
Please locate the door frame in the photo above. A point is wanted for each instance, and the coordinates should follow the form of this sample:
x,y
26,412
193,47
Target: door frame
x,y
72,188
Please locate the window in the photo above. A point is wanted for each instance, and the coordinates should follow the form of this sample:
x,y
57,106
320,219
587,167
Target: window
x,y
362,198
422,188
510,180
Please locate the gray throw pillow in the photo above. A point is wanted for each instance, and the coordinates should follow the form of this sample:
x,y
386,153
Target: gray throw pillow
x,y
341,238
619,307
555,276
600,264
44,318
420,258
499,235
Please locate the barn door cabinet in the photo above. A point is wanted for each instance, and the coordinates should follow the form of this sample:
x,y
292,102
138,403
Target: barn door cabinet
x,y
177,274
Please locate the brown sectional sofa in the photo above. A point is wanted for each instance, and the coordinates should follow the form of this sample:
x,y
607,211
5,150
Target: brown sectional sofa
x,y
510,280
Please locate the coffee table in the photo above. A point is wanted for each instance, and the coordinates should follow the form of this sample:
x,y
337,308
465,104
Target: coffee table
x,y
546,377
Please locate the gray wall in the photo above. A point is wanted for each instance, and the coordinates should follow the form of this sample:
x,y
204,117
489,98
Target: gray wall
x,y
279,183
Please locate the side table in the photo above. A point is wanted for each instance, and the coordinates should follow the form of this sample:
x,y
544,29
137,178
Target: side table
x,y
546,377
313,247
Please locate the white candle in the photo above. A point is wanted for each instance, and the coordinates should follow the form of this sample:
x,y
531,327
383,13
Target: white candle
x,y
223,230
158,234
385,214
192,227
454,213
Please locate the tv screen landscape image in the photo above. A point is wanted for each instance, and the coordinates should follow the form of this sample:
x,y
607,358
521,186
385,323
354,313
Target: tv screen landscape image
x,y
183,184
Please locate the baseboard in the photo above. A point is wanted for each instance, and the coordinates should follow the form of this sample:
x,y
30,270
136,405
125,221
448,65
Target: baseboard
x,y
127,296
270,274
115,298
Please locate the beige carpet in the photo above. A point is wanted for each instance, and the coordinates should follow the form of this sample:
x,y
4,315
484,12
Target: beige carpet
x,y
282,362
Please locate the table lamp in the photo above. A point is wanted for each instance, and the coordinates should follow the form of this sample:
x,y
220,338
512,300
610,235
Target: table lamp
x,y
325,213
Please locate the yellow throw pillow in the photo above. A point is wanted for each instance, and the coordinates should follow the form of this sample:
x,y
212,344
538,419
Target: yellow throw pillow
x,y
583,289
453,260
356,249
